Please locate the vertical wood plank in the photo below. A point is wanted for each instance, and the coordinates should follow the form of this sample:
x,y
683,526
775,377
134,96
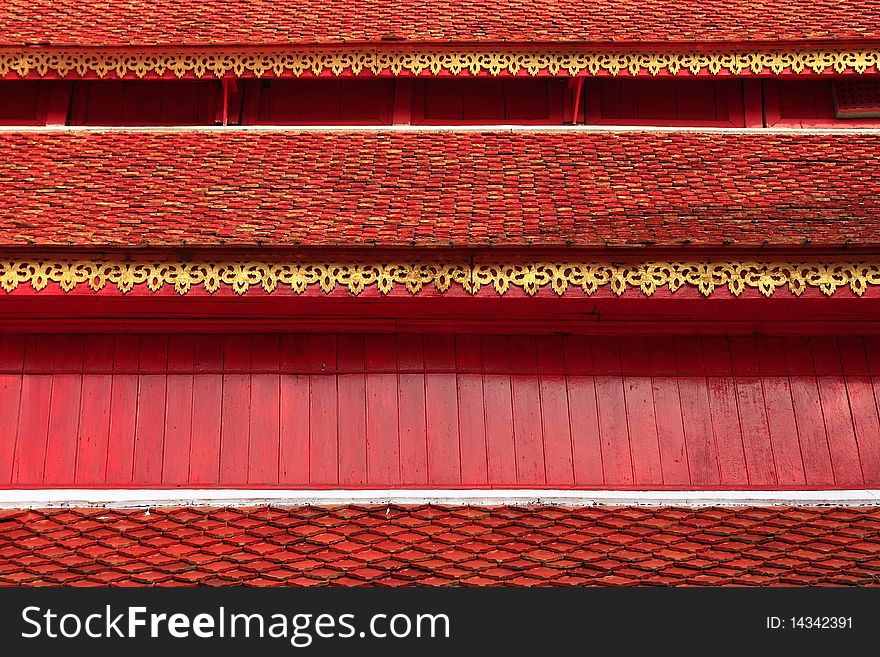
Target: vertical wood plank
x,y
861,361
753,417
352,395
97,386
808,412
781,417
383,442
667,413
836,411
639,397
150,429
12,346
64,411
123,410
471,416
323,440
501,450
616,454
235,425
695,412
527,423
586,444
723,412
441,397
412,410
178,416
294,448
207,396
33,423
265,411
555,418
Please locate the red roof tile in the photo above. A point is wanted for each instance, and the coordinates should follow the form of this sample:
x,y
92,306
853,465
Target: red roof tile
x,y
557,188
298,21
483,546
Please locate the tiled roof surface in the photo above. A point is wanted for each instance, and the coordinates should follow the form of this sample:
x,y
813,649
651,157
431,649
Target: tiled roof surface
x,y
458,189
425,545
151,22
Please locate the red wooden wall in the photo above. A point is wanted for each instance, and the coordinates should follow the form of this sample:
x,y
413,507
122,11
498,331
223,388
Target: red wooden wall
x,y
627,101
385,410
476,101
318,102
806,104
428,101
144,102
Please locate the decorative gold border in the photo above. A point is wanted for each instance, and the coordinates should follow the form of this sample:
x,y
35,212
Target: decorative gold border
x,y
240,276
141,62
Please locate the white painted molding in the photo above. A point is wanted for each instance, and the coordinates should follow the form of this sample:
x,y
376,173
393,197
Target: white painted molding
x,y
146,498
443,128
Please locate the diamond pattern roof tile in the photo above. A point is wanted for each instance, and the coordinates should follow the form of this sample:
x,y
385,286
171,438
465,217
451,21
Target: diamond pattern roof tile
x,y
394,547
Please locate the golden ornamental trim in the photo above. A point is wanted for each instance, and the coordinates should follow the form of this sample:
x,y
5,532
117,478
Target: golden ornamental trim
x,y
574,62
531,277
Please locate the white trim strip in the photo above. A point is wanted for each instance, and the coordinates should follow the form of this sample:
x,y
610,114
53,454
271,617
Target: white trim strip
x,y
145,498
443,128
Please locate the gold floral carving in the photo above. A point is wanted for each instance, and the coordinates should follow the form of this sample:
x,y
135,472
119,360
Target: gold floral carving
x,y
201,63
560,277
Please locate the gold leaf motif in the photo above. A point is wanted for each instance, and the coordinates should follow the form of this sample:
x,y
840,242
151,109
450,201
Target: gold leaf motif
x,y
530,277
356,61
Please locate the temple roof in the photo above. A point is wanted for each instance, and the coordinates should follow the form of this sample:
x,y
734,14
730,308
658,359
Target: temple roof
x,y
437,189
263,22
429,545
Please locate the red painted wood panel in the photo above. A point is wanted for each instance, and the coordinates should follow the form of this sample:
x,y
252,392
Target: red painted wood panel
x,y
471,411
811,428
11,359
527,431
860,391
144,102
149,437
123,410
667,407
641,417
264,447
441,406
753,414
323,409
235,425
294,427
836,412
207,405
412,410
621,101
385,410
179,410
696,413
500,444
613,430
33,417
323,102
352,409
94,427
483,102
586,449
555,415
723,410
64,410
383,441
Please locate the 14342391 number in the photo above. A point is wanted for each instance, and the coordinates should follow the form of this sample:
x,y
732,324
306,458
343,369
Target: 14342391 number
x,y
810,623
